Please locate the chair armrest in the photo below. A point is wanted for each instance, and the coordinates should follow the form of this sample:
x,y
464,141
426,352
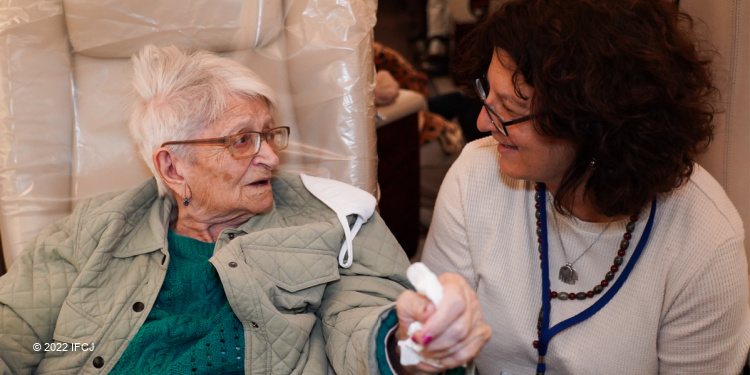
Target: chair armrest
x,y
407,102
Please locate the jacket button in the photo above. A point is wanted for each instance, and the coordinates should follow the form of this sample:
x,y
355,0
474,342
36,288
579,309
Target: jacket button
x,y
233,264
138,306
255,325
98,362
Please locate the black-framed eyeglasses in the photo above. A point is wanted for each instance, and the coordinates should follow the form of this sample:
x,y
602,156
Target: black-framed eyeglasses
x,y
491,111
246,144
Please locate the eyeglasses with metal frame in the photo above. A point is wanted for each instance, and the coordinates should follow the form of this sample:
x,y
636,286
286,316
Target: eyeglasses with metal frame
x,y
491,111
245,144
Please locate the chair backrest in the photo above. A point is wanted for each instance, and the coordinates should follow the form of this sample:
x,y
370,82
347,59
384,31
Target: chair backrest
x,y
65,74
726,25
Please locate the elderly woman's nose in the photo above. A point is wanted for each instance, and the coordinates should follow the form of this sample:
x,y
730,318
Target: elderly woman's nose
x,y
267,156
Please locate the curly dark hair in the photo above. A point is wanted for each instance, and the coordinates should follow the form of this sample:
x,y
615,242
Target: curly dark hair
x,y
622,80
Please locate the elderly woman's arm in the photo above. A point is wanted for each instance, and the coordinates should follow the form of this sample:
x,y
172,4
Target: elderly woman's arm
x,y
31,295
34,291
354,306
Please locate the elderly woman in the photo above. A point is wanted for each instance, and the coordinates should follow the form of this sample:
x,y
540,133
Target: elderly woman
x,y
219,265
594,241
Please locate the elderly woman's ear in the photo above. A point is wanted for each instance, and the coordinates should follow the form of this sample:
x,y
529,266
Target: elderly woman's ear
x,y
166,166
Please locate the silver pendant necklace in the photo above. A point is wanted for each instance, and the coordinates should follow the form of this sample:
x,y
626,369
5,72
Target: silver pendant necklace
x,y
567,273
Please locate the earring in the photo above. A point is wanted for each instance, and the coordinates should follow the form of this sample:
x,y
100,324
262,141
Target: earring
x,y
592,163
186,201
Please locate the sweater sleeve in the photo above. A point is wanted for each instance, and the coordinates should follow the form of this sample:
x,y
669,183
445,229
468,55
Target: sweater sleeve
x,y
706,328
354,307
447,247
32,293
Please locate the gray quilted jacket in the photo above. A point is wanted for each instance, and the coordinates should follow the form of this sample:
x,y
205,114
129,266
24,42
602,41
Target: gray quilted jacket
x,y
86,284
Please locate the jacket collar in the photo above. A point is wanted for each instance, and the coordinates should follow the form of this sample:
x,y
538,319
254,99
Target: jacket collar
x,y
150,231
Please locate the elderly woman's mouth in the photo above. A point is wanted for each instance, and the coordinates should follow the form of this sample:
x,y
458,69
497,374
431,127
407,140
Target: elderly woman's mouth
x,y
263,182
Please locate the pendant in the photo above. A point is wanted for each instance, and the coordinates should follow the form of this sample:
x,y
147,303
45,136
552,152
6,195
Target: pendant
x,y
568,274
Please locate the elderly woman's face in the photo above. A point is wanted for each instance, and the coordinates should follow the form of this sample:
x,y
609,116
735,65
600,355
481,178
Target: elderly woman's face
x,y
225,188
524,153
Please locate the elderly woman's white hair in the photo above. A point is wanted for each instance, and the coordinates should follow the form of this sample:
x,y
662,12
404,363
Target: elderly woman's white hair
x,y
177,93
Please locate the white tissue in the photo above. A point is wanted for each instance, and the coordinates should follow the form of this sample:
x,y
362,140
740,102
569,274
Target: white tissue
x,y
427,284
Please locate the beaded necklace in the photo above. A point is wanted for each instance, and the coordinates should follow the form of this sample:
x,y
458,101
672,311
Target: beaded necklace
x,y
616,263
546,333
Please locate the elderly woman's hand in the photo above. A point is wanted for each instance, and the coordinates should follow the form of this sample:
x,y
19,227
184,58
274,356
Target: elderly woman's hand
x,y
453,333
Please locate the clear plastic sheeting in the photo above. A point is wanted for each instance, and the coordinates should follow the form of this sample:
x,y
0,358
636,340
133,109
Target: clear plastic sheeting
x,y
64,82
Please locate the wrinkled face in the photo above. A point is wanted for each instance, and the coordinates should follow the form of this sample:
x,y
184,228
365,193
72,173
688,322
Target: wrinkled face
x,y
224,188
524,153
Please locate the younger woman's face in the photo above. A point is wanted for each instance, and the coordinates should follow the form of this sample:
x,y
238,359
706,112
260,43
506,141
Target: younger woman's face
x,y
524,153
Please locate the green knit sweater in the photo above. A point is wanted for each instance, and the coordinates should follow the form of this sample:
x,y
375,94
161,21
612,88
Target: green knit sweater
x,y
191,328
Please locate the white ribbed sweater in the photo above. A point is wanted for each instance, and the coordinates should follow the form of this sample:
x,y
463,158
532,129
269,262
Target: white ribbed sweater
x,y
684,308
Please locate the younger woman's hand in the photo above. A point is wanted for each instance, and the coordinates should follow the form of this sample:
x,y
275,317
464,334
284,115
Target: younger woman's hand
x,y
453,333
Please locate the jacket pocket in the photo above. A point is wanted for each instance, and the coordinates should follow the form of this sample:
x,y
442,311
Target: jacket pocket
x,y
295,269
293,279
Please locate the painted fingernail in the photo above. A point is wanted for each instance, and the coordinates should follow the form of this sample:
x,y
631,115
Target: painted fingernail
x,y
413,338
426,339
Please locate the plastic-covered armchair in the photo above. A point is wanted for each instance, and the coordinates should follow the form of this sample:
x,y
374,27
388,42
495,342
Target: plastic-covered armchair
x,y
65,73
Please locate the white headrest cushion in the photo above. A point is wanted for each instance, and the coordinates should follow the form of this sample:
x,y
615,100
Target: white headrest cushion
x,y
119,28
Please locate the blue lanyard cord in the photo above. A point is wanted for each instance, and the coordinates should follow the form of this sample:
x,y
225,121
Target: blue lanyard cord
x,y
545,267
548,333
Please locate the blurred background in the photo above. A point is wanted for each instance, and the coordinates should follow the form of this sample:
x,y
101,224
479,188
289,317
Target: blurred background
x,y
415,44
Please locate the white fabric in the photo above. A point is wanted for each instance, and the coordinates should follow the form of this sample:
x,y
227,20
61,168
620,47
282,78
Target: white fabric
x,y
683,310
344,200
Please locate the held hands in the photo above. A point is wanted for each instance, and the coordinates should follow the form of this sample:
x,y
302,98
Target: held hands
x,y
453,333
